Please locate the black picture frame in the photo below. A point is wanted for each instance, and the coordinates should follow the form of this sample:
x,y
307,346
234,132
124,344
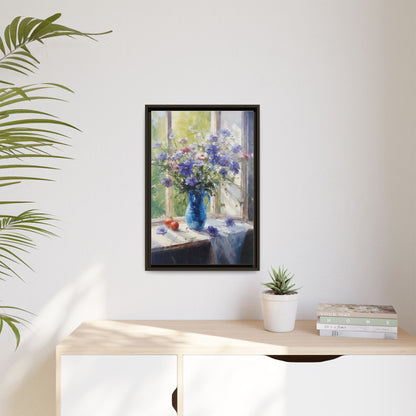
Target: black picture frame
x,y
252,238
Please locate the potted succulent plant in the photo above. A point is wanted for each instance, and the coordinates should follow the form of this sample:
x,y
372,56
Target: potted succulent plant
x,y
280,301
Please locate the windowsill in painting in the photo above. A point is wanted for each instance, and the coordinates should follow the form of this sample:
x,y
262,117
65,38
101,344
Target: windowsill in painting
x,y
183,236
232,244
159,221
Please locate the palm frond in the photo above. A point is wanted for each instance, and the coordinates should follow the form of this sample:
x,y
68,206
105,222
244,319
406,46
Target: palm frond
x,y
22,31
12,320
23,137
16,233
25,134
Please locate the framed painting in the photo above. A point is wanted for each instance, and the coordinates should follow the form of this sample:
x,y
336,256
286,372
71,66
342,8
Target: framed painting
x,y
202,187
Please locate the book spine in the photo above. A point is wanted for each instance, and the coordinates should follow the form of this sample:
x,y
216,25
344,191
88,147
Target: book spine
x,y
356,334
389,316
389,329
336,320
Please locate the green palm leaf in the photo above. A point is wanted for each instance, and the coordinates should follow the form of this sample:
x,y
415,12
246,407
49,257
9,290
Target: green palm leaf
x,y
22,137
16,233
25,134
12,320
21,32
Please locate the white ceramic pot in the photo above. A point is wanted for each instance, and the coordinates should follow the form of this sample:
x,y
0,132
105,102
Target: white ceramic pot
x,y
279,311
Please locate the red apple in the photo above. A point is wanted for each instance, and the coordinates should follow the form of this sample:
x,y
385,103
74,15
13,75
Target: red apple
x,y
174,225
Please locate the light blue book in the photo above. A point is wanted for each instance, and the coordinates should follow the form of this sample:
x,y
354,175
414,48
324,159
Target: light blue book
x,y
343,320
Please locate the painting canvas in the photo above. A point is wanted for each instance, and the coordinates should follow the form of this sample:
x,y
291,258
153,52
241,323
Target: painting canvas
x,y
202,187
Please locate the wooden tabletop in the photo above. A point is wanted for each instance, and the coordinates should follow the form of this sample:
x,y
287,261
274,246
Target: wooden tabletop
x,y
219,337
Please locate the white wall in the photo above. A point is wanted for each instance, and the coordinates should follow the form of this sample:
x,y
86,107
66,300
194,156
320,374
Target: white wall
x,y
336,85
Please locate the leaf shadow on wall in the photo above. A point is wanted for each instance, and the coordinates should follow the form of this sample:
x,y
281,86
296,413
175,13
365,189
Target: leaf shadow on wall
x,y
28,387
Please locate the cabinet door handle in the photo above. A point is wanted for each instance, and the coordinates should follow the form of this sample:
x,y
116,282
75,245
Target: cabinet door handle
x,y
304,358
175,400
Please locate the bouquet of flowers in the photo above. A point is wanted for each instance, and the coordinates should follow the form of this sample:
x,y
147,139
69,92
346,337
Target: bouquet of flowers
x,y
201,164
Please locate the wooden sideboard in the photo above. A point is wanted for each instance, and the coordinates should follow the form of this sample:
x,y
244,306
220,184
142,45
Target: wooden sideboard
x,y
226,368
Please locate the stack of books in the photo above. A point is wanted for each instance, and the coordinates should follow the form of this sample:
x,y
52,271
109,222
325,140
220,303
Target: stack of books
x,y
357,321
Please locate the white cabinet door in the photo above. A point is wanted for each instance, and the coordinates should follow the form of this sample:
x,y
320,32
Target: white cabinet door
x,y
353,385
132,385
262,386
233,386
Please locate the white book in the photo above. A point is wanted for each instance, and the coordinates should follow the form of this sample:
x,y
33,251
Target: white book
x,y
357,334
356,328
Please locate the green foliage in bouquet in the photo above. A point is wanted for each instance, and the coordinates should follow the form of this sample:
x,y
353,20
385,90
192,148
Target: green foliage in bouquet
x,y
281,282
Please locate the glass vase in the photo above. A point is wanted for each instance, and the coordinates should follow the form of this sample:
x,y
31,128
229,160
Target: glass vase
x,y
196,211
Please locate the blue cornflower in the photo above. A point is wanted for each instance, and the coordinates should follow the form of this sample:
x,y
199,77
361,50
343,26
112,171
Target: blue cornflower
x,y
166,182
235,168
214,158
186,167
229,222
191,181
223,172
161,230
162,156
199,163
236,148
156,145
177,155
171,136
225,133
212,149
213,232
224,160
213,138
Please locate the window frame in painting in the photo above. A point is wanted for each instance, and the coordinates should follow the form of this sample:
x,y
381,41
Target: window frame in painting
x,y
255,265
